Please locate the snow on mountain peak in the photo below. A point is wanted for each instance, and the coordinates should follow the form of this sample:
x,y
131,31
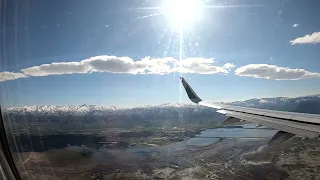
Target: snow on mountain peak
x,y
66,109
271,103
82,109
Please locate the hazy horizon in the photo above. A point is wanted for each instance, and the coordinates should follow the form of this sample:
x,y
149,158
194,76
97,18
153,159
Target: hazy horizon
x,y
188,102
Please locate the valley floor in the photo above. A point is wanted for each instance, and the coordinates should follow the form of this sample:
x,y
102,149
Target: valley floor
x,y
232,158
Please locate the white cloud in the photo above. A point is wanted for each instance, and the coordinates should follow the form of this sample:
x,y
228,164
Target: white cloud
x,y
274,72
228,66
296,25
56,69
113,64
158,65
198,66
307,39
7,76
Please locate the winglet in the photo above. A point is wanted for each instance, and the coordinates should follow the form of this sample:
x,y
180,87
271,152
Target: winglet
x,y
191,94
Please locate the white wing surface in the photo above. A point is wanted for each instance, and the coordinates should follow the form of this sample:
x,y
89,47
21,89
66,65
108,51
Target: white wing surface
x,y
289,123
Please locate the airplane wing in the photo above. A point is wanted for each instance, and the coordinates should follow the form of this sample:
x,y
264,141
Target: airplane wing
x,y
289,123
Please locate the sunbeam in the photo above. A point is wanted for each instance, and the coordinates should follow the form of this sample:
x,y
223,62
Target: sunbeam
x,y
149,15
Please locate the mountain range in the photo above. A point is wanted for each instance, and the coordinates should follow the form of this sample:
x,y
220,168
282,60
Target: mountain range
x,y
164,115
303,104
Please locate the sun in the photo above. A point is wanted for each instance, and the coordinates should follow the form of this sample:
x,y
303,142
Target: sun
x,y
182,13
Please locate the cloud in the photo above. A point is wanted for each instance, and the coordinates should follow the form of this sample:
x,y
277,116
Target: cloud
x,y
56,69
7,76
198,66
274,72
228,66
296,25
111,64
114,64
307,39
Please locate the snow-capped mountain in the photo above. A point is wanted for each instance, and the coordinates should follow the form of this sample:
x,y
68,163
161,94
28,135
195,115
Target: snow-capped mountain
x,y
164,115
60,110
90,109
304,104
276,103
158,115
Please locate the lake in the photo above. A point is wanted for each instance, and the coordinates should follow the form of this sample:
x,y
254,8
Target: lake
x,y
247,131
211,136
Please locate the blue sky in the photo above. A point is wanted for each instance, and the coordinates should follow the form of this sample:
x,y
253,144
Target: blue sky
x,y
236,50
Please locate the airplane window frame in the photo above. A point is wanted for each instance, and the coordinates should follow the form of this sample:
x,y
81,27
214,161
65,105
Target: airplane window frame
x,y
8,166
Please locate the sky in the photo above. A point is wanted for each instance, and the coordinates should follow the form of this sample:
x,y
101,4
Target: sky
x,y
130,53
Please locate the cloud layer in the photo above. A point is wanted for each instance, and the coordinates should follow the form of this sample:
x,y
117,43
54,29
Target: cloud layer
x,y
148,65
274,72
307,39
228,66
7,76
114,64
200,66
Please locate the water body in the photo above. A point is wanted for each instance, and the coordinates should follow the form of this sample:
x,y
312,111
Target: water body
x,y
135,154
199,141
211,136
205,138
246,132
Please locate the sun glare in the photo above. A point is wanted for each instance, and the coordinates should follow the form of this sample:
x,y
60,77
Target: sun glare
x,y
182,13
